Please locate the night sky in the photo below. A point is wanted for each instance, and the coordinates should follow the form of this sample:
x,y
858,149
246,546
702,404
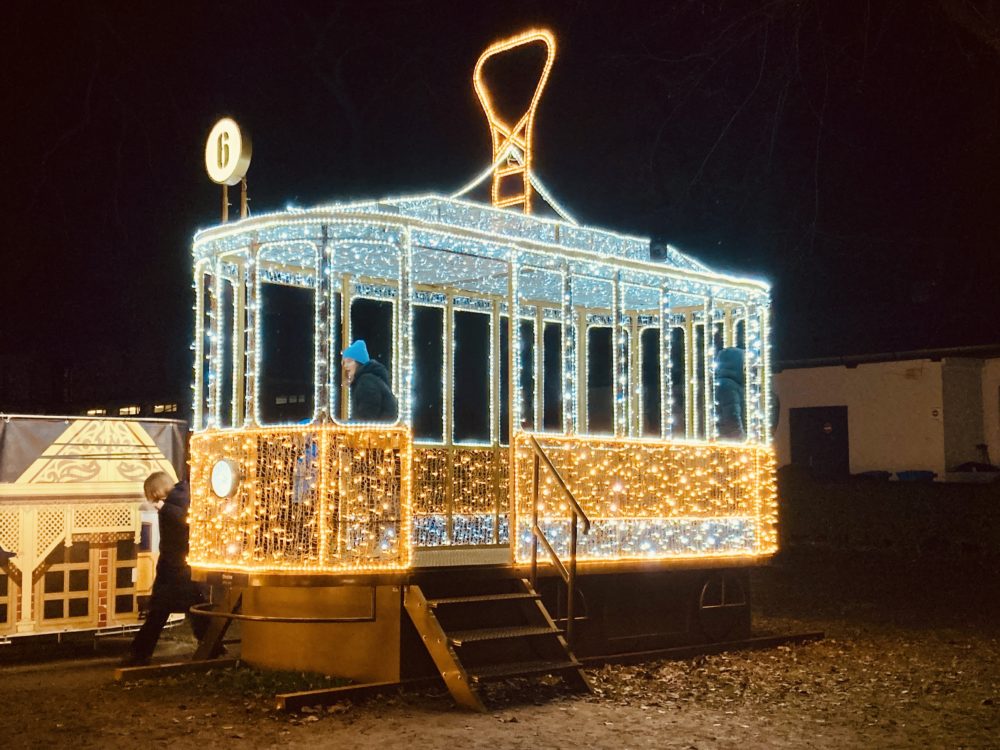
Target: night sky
x,y
846,151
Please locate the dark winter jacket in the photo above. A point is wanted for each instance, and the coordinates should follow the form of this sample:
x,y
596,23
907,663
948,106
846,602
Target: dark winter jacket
x,y
174,527
729,394
172,587
371,398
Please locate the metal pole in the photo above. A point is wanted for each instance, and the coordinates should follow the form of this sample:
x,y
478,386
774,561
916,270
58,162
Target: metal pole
x,y
534,522
225,203
571,583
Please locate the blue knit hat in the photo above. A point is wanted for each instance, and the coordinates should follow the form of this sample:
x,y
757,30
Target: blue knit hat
x,y
357,351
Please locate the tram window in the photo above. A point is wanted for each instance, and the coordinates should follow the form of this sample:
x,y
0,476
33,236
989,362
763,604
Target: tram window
x,y
552,401
741,334
287,353
226,341
428,354
371,320
527,374
678,383
504,416
626,359
650,392
208,285
698,420
336,371
600,393
471,378
718,337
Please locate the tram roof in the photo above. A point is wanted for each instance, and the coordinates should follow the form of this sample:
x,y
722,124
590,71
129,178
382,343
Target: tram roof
x,y
438,214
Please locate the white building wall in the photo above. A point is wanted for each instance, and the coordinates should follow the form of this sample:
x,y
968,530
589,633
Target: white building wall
x,y
991,409
894,412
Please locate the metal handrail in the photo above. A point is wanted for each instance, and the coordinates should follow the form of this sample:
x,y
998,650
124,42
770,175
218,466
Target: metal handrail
x,y
540,453
576,512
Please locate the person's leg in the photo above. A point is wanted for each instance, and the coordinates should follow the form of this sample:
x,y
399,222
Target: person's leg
x,y
145,640
199,624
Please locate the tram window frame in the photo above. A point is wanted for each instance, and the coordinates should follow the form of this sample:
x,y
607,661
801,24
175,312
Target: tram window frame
x,y
336,370
479,430
206,278
227,339
383,354
503,380
678,381
608,413
740,333
650,398
553,398
304,385
435,404
526,335
699,343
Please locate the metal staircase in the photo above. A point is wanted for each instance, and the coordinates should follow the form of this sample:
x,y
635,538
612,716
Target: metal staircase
x,y
476,636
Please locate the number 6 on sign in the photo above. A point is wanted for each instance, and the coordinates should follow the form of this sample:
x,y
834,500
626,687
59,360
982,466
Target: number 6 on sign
x,y
227,153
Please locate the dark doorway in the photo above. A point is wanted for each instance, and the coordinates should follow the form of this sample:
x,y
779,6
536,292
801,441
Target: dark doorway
x,y
818,437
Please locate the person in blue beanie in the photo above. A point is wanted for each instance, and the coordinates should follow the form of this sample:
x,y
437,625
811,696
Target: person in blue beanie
x,y
729,404
372,399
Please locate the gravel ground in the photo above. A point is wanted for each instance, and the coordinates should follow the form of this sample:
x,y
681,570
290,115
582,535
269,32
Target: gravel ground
x,y
911,659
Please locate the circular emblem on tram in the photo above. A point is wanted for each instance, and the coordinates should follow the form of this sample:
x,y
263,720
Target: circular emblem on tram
x,y
227,152
225,478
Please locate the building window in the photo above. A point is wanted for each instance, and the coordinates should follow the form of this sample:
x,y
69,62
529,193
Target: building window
x,y
124,572
65,586
96,412
6,600
164,408
128,411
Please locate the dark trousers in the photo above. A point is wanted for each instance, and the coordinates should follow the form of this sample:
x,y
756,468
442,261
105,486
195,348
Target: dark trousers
x,y
148,635
173,591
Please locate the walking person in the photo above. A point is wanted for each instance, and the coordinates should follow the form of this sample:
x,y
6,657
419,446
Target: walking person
x,y
173,589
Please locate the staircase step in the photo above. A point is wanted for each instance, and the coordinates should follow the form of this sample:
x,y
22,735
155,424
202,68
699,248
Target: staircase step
x,y
460,637
481,598
519,669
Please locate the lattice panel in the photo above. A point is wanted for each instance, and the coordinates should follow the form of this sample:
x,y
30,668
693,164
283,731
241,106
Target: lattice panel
x,y
318,499
50,529
649,500
10,530
460,496
431,471
105,518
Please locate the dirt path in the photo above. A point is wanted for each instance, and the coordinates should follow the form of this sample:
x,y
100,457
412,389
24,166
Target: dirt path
x,y
883,678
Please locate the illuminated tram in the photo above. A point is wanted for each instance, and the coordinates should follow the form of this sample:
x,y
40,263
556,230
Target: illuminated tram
x,y
556,389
